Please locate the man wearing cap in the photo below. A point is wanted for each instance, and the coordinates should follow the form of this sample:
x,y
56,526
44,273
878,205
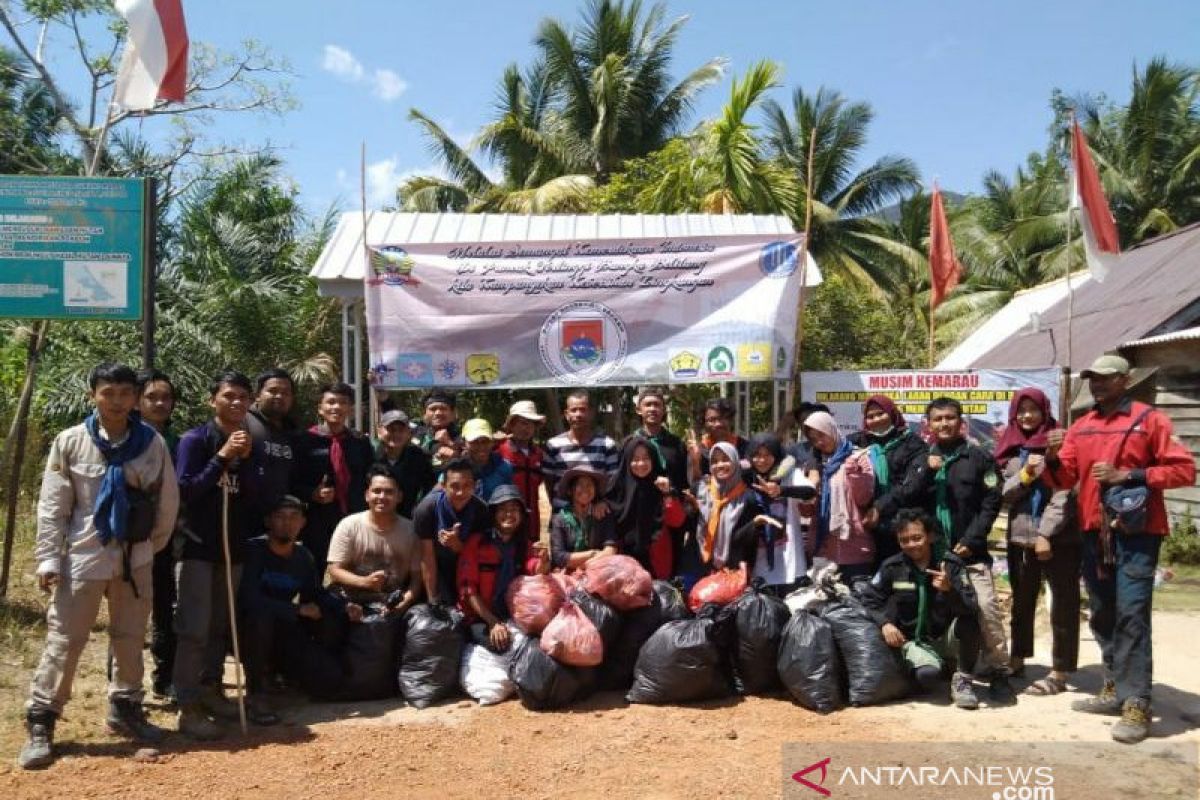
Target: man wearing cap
x,y
439,435
488,564
490,469
289,622
410,465
579,446
525,457
1127,448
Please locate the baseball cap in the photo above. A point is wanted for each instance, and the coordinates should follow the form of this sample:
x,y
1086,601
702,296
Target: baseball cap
x,y
392,417
1106,365
475,429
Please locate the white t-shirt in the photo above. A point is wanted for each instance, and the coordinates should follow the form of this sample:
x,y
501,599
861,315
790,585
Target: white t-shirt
x,y
358,546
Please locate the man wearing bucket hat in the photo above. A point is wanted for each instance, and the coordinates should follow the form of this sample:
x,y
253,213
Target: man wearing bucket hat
x,y
490,469
1122,455
525,457
488,564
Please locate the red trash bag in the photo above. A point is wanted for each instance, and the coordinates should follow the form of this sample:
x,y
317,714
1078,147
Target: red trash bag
x,y
533,600
722,588
565,580
619,581
572,639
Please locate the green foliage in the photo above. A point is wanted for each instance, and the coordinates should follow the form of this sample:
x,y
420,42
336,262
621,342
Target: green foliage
x,y
847,328
1183,545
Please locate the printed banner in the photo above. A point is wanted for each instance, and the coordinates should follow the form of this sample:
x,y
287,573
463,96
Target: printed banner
x,y
606,312
984,394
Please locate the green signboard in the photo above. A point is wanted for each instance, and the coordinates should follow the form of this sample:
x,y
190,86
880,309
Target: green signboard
x,y
72,248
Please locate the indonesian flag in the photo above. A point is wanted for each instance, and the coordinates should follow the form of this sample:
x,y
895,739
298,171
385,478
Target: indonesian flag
x,y
944,269
1100,243
154,66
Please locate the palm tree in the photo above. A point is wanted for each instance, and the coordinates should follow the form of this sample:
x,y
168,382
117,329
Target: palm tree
x,y
1148,152
611,85
844,235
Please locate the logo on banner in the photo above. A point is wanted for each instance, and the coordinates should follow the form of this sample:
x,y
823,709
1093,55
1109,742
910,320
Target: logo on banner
x,y
778,259
392,266
447,370
720,362
483,368
414,369
685,365
583,340
381,372
754,360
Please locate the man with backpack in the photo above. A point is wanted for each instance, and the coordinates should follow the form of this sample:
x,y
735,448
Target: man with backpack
x,y
107,503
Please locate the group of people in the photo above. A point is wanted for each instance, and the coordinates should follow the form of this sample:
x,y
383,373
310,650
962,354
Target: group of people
x,y
310,531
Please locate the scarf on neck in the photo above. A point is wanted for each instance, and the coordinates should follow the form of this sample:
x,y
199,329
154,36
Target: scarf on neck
x,y
824,422
726,500
580,529
941,482
507,570
447,517
111,512
337,459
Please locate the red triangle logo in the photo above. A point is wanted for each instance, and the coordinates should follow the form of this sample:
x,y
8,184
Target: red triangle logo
x,y
818,787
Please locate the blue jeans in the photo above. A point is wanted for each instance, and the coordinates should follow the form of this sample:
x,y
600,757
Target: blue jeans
x,y
1120,600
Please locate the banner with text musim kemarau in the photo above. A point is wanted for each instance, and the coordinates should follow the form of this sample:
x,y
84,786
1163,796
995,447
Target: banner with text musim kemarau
x,y
598,312
984,394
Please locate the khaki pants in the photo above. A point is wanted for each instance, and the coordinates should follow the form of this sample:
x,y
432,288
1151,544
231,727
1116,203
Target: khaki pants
x,y
73,610
993,654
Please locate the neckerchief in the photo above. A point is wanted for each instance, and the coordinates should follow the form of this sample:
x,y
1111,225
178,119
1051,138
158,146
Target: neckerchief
x,y
655,445
111,512
580,529
942,484
337,460
879,452
447,517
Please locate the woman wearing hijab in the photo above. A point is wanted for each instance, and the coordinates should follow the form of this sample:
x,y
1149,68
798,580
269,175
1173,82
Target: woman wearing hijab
x,y
779,488
725,509
1043,541
643,507
845,489
897,456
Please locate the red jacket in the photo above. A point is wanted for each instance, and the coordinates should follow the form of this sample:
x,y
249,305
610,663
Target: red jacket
x,y
478,568
527,475
1162,461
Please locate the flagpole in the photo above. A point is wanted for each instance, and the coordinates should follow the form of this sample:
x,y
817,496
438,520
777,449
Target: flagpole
x,y
1070,290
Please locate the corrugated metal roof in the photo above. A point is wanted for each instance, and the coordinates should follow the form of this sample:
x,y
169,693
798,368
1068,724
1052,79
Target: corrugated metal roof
x,y
1184,335
1022,314
1148,286
339,269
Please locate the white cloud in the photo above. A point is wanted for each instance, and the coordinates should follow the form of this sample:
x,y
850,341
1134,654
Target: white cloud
x,y
342,63
387,85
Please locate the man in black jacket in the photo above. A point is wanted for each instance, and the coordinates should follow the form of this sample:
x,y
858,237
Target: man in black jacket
x,y
963,492
270,423
410,465
915,600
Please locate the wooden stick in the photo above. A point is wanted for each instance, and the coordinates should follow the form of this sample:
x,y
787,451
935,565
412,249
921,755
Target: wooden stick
x,y
233,627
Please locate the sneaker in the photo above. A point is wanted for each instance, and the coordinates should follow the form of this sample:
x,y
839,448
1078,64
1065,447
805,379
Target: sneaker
x,y
38,752
260,712
163,691
1104,703
128,718
1134,725
195,722
962,692
218,705
1000,691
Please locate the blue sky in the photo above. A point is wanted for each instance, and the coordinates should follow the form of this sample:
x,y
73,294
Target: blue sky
x,y
960,87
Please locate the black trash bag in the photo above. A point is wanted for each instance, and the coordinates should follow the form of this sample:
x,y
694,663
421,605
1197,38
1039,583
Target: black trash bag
x,y
666,604
543,684
602,615
761,619
369,658
874,673
433,644
686,660
809,665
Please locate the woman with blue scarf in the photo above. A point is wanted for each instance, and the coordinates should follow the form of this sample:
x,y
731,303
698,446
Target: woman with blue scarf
x,y
1043,541
845,488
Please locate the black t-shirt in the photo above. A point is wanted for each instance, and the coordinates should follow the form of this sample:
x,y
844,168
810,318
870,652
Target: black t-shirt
x,y
476,519
413,470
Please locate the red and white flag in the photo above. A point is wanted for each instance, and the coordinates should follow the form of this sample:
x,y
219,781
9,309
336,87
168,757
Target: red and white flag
x,y
154,66
1100,242
944,269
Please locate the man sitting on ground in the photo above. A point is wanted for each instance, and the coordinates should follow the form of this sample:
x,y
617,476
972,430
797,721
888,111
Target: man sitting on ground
x,y
915,602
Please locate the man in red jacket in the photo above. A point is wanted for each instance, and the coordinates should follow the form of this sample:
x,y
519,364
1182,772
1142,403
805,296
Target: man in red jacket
x,y
526,459
1120,443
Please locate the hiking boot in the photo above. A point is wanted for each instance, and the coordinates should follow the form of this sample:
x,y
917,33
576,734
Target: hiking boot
x,y
1104,703
194,722
218,705
1134,724
260,712
1000,691
962,692
164,691
128,718
38,752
